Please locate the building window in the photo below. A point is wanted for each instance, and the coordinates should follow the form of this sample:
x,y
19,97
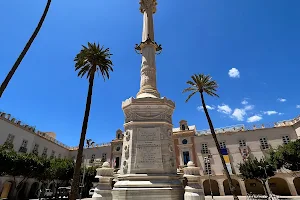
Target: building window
x,y
183,127
204,149
117,162
35,149
207,167
285,139
10,138
186,157
92,158
118,148
23,147
184,141
52,154
119,136
44,154
264,143
222,145
242,143
59,156
104,156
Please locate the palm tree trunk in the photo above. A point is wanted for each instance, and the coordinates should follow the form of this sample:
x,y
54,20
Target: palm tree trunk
x,y
212,130
26,48
76,176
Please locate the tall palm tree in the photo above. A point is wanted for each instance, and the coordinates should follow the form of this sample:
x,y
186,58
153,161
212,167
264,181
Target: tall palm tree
x,y
90,60
204,84
26,48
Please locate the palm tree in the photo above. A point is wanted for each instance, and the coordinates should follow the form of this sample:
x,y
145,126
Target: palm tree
x,y
204,84
88,61
26,48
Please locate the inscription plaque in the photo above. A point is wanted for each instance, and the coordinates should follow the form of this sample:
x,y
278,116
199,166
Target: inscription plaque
x,y
148,155
148,149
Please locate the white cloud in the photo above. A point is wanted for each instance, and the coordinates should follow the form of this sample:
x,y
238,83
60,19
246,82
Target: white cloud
x,y
271,112
281,100
249,107
244,102
224,109
254,118
297,106
207,106
280,113
234,73
239,114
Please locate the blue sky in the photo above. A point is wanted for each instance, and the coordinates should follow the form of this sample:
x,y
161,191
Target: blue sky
x,y
256,42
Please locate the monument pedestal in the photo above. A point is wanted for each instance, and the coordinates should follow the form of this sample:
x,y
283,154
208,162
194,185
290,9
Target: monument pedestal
x,y
148,169
145,186
103,187
193,189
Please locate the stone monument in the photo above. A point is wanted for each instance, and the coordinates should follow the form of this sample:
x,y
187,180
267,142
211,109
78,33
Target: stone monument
x,y
103,187
193,189
148,168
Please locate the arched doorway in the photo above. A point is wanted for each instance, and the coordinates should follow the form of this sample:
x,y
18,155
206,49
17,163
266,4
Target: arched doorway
x,y
7,189
33,192
235,184
214,187
296,182
279,186
254,186
22,192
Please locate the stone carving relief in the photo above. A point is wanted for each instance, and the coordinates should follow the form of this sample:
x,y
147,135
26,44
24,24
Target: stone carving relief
x,y
170,147
125,167
148,5
127,135
126,151
134,116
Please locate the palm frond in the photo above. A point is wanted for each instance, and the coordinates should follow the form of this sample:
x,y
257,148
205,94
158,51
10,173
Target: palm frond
x,y
92,59
190,95
201,83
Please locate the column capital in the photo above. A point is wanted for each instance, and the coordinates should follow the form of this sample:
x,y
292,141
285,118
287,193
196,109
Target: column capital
x,y
148,6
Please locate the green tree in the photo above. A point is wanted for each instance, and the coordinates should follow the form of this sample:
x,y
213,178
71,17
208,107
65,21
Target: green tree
x,y
287,156
21,165
259,170
26,48
201,83
88,62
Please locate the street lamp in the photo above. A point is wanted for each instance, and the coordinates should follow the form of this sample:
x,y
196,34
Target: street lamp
x,y
206,160
88,143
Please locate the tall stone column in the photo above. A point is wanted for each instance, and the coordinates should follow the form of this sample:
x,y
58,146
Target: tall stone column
x,y
148,168
148,48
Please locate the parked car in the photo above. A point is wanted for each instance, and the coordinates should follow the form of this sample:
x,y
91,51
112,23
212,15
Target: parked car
x,y
91,192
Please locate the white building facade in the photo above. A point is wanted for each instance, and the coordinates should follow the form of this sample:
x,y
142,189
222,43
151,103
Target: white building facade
x,y
239,143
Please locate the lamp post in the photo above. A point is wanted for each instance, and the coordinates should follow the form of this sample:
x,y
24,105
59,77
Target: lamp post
x,y
206,160
88,143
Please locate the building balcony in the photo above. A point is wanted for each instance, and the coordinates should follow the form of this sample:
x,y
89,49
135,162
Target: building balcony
x,y
23,149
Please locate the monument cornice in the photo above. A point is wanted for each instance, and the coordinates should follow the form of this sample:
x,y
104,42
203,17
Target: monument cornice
x,y
148,101
137,123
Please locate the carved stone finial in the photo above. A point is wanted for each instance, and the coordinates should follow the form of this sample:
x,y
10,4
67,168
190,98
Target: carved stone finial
x,y
148,6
